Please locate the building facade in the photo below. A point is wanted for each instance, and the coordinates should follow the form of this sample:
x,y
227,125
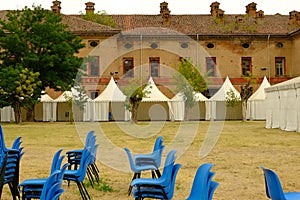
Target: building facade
x,y
219,44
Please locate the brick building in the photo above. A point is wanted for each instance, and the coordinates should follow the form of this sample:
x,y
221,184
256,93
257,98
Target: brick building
x,y
223,44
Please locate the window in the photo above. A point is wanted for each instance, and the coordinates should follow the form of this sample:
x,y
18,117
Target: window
x,y
211,65
279,66
128,67
94,94
154,66
246,65
94,66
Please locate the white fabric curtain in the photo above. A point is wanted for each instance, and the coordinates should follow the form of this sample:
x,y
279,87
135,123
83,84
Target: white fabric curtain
x,y
7,114
101,110
49,111
298,106
291,110
176,110
269,108
283,109
89,110
256,109
275,102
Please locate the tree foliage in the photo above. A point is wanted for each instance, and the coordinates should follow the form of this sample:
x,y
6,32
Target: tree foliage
x,y
135,92
188,80
37,40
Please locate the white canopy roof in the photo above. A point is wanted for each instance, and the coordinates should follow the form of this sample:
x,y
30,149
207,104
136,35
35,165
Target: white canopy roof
x,y
62,97
222,92
259,94
284,85
156,95
46,98
111,93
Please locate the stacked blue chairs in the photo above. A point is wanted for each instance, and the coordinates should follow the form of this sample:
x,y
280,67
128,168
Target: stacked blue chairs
x,y
78,175
10,164
74,157
146,162
203,186
160,188
52,188
153,158
274,189
32,188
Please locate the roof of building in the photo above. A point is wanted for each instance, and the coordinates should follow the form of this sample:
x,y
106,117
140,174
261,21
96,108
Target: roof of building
x,y
208,25
79,26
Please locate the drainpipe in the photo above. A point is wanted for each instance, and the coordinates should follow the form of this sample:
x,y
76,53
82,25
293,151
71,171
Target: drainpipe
x,y
141,55
268,56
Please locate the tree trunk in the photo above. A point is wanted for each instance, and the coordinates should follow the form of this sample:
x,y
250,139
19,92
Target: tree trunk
x,y
17,109
244,110
134,113
30,114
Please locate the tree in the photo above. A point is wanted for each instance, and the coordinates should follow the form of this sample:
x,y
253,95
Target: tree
x,y
246,92
188,81
135,92
100,17
37,39
17,86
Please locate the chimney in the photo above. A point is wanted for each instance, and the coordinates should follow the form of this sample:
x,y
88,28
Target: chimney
x,y
214,8
216,12
56,7
294,17
251,9
260,14
89,7
165,14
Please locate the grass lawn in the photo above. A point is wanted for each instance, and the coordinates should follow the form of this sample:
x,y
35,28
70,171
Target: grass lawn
x,y
237,155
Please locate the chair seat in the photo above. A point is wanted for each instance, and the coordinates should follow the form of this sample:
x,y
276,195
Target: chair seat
x,y
34,181
292,195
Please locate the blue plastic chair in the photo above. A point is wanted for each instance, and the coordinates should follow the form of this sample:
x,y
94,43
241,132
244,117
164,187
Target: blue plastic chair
x,y
137,169
203,187
157,191
78,175
32,188
163,183
153,158
274,189
10,164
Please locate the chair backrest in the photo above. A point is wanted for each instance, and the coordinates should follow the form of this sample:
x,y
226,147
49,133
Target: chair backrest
x,y
158,143
202,179
56,161
273,186
175,170
50,181
168,167
213,186
132,165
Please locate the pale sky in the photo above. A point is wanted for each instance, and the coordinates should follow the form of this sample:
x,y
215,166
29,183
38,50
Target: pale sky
x,y
152,6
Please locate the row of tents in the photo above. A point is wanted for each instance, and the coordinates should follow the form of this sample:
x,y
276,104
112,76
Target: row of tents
x,y
109,105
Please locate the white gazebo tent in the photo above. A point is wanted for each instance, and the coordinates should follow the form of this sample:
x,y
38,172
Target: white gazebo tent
x,y
216,108
256,104
49,108
64,110
177,108
155,106
111,101
198,112
283,105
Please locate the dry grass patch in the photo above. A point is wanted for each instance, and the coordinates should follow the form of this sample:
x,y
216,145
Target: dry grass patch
x,y
240,150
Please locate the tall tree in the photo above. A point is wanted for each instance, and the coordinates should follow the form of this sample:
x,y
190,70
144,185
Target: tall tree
x,y
134,92
188,81
37,39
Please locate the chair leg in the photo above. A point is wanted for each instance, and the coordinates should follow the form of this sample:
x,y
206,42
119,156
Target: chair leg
x,y
136,175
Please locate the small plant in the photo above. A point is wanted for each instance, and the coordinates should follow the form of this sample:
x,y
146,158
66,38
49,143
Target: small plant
x,y
232,99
